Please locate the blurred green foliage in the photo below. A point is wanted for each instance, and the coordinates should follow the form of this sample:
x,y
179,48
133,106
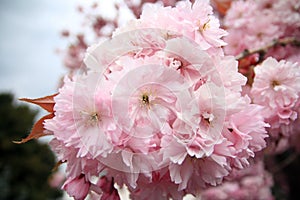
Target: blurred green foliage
x,y
24,168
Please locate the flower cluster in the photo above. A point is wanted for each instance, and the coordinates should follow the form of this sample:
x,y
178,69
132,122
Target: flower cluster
x,y
255,24
251,183
162,108
276,83
276,86
157,104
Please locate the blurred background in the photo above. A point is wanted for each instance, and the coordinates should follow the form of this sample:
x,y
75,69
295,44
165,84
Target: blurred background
x,y
29,36
29,67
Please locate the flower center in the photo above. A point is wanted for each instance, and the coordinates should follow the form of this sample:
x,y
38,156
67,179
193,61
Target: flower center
x,y
204,27
145,99
91,119
208,117
175,63
94,117
275,83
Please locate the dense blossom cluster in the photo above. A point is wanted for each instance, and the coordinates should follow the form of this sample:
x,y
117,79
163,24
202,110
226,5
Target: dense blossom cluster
x,y
251,183
162,108
276,83
246,23
149,110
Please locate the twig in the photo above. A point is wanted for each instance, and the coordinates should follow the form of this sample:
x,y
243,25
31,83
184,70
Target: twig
x,y
263,51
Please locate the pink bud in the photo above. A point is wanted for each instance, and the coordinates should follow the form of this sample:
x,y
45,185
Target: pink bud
x,y
77,187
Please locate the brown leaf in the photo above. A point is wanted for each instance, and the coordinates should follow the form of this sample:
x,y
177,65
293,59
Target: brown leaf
x,y
46,102
222,5
37,131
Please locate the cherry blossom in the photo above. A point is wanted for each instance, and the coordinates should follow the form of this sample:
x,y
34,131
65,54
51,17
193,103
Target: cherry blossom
x,y
77,188
161,108
276,86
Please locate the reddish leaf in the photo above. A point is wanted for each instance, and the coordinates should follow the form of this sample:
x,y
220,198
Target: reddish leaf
x,y
222,5
46,102
37,130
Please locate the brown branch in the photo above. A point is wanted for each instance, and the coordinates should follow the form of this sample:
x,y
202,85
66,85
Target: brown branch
x,y
286,162
263,51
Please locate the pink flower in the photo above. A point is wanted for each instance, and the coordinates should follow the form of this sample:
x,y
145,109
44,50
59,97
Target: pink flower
x,y
240,14
287,15
189,64
150,99
160,111
250,183
77,187
227,67
192,21
201,149
107,186
247,134
158,187
74,54
235,41
277,87
246,21
75,165
79,118
194,174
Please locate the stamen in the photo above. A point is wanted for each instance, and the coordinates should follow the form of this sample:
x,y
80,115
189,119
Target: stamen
x,y
177,64
275,83
145,99
208,117
90,119
94,117
204,27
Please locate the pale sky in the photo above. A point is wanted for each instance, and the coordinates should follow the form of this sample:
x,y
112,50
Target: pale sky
x,y
29,35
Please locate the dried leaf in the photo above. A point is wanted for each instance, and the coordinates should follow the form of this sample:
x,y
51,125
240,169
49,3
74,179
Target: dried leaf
x,y
37,130
222,5
46,102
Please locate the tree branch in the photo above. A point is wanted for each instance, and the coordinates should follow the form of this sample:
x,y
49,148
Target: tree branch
x,y
263,51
